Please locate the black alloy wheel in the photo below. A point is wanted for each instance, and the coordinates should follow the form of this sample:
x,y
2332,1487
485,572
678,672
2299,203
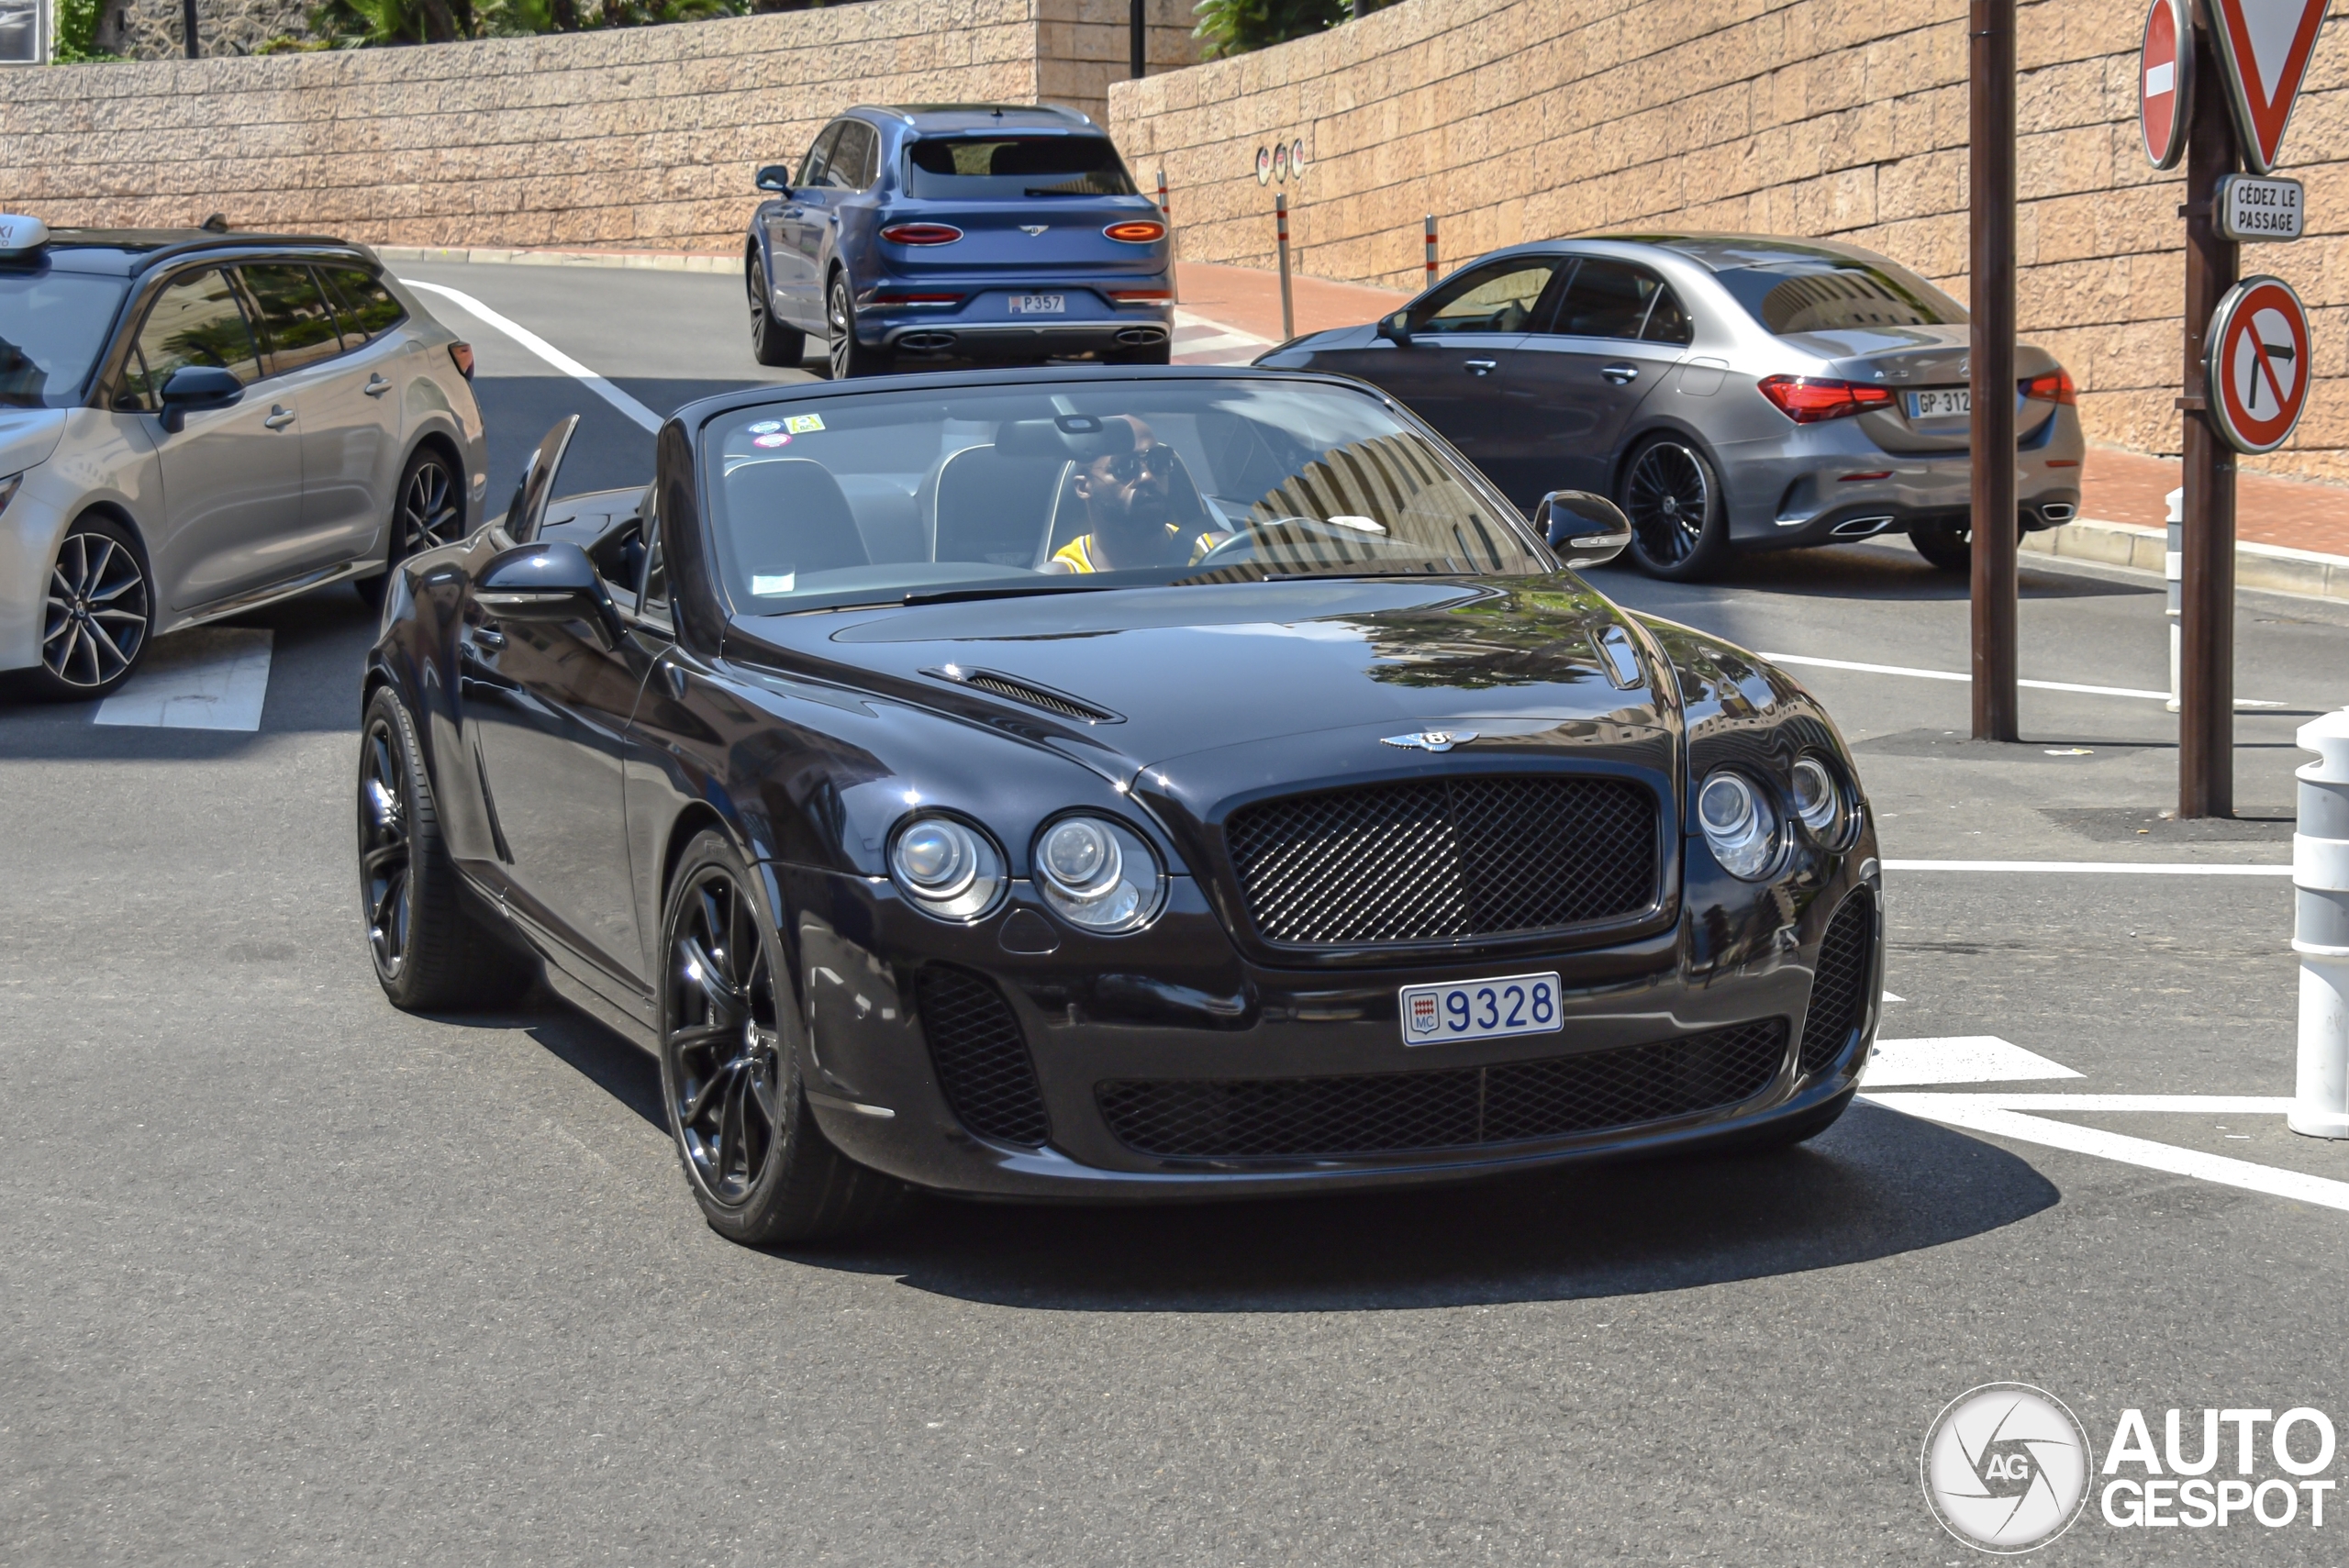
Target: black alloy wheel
x,y
99,610
760,1167
772,342
430,951
849,357
427,511
1679,518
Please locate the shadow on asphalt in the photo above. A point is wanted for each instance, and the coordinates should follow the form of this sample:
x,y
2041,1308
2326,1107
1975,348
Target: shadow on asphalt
x,y
1876,1184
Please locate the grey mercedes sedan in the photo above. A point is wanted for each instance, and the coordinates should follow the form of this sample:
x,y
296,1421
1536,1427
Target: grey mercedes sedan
x,y
1732,392
196,423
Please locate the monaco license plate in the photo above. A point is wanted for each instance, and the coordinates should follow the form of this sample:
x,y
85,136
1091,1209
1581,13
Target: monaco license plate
x,y
1481,1009
1942,405
1040,304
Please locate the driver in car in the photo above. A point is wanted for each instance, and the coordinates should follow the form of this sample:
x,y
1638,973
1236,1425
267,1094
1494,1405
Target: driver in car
x,y
1141,508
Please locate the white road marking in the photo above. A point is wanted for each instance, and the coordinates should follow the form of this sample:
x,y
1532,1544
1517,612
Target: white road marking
x,y
211,678
1890,998
1968,680
1956,1059
547,351
1993,1114
2090,868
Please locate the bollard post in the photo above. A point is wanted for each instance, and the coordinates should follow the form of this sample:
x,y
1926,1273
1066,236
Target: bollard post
x,y
2174,568
1166,217
1288,309
2321,930
1430,250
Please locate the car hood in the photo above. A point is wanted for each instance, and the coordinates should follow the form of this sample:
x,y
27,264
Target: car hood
x,y
1228,668
27,435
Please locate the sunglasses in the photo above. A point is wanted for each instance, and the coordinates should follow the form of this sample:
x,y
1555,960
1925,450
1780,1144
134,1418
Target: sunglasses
x,y
1157,462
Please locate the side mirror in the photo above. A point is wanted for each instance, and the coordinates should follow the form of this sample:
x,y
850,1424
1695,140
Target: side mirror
x,y
197,387
775,177
550,580
1584,528
1396,328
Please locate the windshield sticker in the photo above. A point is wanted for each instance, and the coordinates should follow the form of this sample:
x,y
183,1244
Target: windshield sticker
x,y
776,440
763,586
800,423
767,427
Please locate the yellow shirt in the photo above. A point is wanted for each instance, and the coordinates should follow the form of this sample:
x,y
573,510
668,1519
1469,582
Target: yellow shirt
x,y
1076,555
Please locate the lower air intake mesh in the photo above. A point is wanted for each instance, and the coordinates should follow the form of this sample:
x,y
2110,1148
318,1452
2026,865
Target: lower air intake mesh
x,y
1839,992
981,1057
1462,1107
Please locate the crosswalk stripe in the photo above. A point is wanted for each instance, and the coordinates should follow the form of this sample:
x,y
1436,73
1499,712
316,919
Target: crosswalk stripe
x,y
211,678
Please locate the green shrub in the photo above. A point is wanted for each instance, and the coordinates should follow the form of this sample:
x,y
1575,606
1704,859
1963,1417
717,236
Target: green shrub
x,y
1234,27
77,32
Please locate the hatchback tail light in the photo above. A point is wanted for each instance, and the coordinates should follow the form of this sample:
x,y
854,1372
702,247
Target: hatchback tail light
x,y
2056,386
1807,399
463,353
921,234
1140,231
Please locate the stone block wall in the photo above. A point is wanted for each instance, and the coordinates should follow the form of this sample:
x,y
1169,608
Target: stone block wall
x,y
1520,119
638,138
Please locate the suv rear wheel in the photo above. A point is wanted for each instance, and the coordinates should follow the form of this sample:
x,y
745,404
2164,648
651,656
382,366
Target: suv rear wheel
x,y
849,357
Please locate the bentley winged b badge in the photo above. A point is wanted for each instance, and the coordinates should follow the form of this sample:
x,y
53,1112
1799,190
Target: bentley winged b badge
x,y
1432,739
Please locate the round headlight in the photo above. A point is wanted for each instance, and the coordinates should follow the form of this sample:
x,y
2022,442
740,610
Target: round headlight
x,y
1098,876
1817,800
946,868
1740,824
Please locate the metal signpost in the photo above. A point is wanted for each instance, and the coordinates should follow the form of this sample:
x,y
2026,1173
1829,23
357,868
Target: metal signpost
x,y
2230,80
1991,170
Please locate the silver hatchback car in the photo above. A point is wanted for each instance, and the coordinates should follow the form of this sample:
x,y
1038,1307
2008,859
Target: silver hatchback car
x,y
195,424
1732,392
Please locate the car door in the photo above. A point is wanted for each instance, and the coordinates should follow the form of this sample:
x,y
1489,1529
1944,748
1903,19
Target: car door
x,y
1460,370
302,356
350,411
796,239
232,476
546,707
1617,329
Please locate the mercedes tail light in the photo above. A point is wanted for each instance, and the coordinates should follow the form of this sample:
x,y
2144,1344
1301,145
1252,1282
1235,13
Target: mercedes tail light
x,y
1139,232
2056,386
463,353
921,234
1807,399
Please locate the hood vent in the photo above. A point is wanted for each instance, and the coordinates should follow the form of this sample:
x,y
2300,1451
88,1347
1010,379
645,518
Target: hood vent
x,y
1013,689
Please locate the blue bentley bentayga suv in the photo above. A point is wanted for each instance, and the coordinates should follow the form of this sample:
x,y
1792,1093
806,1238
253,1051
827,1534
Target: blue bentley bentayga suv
x,y
938,234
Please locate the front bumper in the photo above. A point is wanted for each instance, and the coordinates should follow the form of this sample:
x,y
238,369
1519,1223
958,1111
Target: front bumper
x,y
1177,1004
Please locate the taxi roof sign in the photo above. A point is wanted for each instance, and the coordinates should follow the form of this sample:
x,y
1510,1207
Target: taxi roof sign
x,y
19,234
2264,47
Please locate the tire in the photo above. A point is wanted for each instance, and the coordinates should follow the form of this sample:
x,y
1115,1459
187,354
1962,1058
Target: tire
x,y
772,342
427,511
849,357
1679,516
762,1170
1949,546
99,613
431,952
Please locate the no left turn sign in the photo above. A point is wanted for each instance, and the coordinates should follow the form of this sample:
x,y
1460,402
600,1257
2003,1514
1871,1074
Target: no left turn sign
x,y
2258,367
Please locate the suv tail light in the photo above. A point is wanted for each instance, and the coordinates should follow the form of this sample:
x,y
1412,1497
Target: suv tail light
x,y
1807,399
921,234
1140,296
2056,386
1140,231
928,300
463,353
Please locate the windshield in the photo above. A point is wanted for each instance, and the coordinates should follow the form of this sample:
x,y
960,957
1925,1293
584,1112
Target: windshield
x,y
1027,488
53,326
985,167
1814,293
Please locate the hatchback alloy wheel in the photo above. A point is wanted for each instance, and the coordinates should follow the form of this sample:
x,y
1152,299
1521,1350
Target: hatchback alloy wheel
x,y
97,614
430,515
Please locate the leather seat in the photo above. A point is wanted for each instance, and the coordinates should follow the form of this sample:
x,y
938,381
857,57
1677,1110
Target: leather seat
x,y
987,504
788,515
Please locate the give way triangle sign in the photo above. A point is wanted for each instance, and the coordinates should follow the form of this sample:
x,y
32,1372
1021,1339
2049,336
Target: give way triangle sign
x,y
2264,51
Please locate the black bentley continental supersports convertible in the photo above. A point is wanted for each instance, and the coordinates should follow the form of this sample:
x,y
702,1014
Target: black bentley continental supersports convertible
x,y
1107,783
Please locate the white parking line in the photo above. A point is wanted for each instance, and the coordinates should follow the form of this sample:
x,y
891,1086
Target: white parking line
x,y
1968,680
1956,1059
547,351
2091,868
211,678
1993,1114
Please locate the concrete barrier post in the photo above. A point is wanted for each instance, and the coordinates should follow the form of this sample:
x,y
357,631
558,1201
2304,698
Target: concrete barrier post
x,y
2174,568
1166,217
1288,306
1431,283
2321,930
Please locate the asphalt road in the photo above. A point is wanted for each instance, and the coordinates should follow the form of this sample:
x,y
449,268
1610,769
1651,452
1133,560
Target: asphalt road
x,y
292,1277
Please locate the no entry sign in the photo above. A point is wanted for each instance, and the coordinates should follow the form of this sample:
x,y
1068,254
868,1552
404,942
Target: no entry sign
x,y
2259,370
2263,51
2164,80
